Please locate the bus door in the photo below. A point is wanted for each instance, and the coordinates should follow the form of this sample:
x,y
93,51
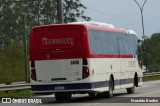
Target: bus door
x,y
121,47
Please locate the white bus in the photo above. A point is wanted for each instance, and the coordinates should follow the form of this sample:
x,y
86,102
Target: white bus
x,y
78,58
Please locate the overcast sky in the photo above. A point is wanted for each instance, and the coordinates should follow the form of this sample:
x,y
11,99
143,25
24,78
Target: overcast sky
x,y
126,14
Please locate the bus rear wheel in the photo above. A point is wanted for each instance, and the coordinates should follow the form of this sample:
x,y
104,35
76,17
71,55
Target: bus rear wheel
x,y
135,83
63,97
131,90
92,94
109,93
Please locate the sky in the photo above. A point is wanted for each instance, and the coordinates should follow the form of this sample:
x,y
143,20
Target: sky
x,y
126,14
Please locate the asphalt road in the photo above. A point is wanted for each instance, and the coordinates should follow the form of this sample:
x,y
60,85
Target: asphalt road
x,y
149,92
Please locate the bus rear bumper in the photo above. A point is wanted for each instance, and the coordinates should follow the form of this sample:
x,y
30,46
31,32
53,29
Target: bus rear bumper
x,y
71,87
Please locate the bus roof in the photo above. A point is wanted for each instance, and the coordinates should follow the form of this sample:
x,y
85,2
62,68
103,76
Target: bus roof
x,y
92,25
100,26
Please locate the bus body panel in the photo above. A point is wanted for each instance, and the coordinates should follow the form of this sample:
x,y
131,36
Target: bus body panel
x,y
98,79
59,51
123,76
59,70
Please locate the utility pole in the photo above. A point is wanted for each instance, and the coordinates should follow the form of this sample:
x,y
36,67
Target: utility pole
x,y
60,11
141,9
38,11
25,48
144,47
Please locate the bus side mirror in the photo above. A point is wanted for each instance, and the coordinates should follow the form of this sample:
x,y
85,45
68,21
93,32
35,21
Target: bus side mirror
x,y
145,69
139,41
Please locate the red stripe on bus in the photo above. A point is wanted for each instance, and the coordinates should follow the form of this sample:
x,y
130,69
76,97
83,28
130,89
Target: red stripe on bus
x,y
112,56
75,57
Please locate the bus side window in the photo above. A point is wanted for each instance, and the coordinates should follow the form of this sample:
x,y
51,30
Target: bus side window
x,y
95,38
105,43
113,43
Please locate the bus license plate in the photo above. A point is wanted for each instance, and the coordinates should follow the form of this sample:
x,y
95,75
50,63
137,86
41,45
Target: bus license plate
x,y
59,88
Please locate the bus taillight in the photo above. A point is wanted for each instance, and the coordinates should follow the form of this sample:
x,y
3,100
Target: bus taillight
x,y
32,64
33,74
85,73
33,71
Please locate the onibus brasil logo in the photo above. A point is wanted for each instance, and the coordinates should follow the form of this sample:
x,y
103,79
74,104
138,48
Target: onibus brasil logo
x,y
22,100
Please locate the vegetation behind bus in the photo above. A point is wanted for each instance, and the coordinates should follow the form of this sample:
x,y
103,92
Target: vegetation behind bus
x,y
152,49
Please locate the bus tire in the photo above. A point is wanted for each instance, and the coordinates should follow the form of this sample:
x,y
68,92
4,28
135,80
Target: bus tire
x,y
92,94
60,97
109,93
131,90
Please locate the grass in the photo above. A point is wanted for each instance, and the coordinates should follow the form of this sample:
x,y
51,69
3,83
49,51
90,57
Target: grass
x,y
12,68
151,78
19,93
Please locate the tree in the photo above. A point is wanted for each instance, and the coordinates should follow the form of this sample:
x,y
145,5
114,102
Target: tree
x,y
11,67
153,52
73,9
36,12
